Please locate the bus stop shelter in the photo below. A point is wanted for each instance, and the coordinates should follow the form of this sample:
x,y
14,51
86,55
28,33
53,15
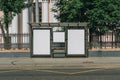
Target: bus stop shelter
x,y
59,39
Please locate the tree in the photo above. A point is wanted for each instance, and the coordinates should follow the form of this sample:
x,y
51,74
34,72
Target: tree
x,y
104,16
100,14
10,8
69,10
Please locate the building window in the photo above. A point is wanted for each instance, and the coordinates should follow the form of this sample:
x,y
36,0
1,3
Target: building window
x,y
40,12
44,0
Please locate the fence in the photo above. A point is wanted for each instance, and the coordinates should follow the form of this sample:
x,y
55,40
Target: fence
x,y
108,40
17,41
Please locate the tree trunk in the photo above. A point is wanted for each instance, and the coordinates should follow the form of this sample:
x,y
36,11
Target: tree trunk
x,y
91,39
7,38
100,41
7,42
116,39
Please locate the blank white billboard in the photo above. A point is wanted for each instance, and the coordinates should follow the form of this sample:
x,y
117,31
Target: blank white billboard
x,y
41,42
58,36
76,42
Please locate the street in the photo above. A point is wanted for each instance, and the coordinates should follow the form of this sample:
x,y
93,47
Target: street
x,y
61,74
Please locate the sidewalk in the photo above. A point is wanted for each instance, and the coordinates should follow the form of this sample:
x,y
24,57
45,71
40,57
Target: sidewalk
x,y
56,63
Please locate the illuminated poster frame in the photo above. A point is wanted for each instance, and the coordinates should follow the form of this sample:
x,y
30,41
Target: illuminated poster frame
x,y
76,43
41,44
58,37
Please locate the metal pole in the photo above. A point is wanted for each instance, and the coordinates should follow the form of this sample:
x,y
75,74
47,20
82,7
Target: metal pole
x,y
37,11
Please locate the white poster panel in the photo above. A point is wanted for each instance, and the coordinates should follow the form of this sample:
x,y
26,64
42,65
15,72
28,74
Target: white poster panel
x,y
76,42
58,36
41,42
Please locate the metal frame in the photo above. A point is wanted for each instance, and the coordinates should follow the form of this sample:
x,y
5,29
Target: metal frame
x,y
59,43
58,32
32,55
66,26
85,42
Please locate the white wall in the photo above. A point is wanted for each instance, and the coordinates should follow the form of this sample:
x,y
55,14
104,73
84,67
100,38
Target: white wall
x,y
45,11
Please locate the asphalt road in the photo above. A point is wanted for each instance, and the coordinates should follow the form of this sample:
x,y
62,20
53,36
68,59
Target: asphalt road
x,y
61,74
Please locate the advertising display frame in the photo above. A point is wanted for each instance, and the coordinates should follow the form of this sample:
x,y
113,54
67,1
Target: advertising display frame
x,y
50,45
85,44
60,35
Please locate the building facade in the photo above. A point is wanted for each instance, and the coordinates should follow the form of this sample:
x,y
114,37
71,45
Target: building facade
x,y
40,11
45,15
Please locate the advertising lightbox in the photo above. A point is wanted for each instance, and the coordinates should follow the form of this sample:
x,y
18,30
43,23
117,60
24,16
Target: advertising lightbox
x,y
58,36
41,42
76,42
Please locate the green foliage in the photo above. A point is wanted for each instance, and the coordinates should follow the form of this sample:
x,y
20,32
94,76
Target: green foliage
x,y
12,5
101,14
69,10
104,12
10,8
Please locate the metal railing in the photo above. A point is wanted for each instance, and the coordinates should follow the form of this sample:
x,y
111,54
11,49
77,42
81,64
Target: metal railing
x,y
108,40
22,41
17,41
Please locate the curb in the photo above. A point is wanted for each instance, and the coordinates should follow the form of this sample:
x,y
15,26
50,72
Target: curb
x,y
91,54
29,67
